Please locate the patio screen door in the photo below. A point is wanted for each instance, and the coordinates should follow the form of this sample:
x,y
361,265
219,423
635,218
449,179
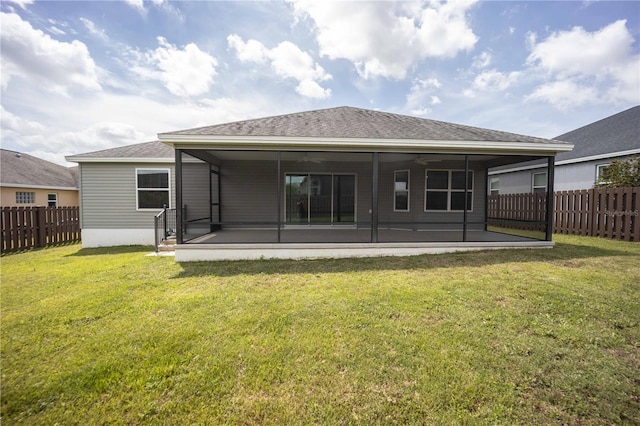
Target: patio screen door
x,y
320,198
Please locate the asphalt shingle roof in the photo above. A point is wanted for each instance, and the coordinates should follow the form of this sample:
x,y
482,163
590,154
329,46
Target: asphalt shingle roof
x,y
616,133
349,122
23,169
154,149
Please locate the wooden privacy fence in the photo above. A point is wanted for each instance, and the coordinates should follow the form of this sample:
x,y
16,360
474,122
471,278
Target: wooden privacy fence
x,y
518,211
604,212
29,227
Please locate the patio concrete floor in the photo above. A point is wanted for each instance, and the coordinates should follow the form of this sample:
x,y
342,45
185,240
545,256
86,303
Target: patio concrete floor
x,y
347,235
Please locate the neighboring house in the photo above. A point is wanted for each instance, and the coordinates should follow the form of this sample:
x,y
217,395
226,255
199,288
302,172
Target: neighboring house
x,y
597,144
335,182
29,181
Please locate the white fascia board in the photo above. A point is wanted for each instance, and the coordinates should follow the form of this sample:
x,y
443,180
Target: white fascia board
x,y
518,169
20,185
353,144
119,160
611,156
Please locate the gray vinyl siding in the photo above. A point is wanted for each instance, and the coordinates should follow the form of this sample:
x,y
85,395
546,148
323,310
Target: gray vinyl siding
x,y
195,190
417,194
249,188
108,196
568,177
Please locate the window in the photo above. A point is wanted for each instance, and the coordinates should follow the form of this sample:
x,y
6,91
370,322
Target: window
x,y
599,169
494,186
539,182
52,199
445,190
152,188
25,197
401,191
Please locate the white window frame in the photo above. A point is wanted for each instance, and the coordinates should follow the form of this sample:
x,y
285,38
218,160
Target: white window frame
x,y
599,168
448,190
49,200
533,182
491,189
168,189
407,191
25,197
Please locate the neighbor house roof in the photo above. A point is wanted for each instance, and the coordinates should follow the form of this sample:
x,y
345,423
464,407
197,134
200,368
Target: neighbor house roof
x,y
26,171
617,134
356,128
147,152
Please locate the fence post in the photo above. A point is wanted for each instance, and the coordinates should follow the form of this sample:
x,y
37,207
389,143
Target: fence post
x,y
40,221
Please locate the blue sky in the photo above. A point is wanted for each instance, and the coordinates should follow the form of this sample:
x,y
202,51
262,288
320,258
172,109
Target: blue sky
x,y
80,76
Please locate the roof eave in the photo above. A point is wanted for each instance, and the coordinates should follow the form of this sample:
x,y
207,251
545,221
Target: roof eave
x,y
78,159
354,144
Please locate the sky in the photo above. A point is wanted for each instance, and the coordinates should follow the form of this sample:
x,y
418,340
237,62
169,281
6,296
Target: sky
x,y
81,76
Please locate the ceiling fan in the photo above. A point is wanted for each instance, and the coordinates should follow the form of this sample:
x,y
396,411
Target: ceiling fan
x,y
309,159
423,160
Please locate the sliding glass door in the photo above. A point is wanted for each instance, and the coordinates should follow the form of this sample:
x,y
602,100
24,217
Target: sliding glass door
x,y
320,198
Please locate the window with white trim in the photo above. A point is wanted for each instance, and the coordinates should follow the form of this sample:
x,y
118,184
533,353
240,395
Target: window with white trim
x,y
401,191
494,186
52,199
599,169
25,197
152,188
539,182
445,190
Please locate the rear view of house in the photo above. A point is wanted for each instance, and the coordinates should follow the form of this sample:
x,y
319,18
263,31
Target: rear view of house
x,y
335,182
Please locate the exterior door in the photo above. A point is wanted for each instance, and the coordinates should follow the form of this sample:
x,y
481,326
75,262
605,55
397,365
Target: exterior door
x,y
319,199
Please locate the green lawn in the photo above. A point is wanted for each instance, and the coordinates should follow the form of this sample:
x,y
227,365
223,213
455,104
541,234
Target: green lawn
x,y
109,336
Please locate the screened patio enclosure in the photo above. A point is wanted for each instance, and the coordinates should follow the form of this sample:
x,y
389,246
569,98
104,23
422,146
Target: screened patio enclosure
x,y
279,197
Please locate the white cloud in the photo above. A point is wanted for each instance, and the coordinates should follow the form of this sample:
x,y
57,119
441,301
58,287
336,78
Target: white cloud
x,y
91,27
604,60
369,33
136,4
110,120
420,93
421,112
33,55
184,72
311,89
564,94
22,3
57,31
580,52
12,123
251,51
426,84
483,60
495,80
288,61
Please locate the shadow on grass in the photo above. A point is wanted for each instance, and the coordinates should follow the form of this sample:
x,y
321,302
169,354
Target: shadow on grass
x,y
101,251
561,252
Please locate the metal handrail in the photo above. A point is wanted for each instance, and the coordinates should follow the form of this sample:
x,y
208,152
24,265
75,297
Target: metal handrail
x,y
162,225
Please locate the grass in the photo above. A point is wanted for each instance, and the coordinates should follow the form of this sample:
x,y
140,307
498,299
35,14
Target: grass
x,y
109,336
